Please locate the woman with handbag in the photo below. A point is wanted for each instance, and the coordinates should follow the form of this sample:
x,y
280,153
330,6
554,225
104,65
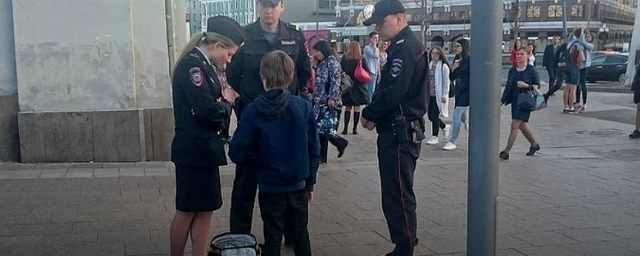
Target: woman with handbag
x,y
438,93
460,73
519,93
326,99
357,96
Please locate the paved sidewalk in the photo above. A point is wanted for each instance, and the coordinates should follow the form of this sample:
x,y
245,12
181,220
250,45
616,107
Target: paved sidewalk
x,y
579,196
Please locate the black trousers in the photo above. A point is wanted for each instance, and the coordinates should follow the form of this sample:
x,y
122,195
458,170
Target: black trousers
x,y
552,75
582,87
553,88
397,168
434,117
285,209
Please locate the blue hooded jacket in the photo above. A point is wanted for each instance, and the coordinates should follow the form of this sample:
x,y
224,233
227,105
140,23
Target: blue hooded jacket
x,y
277,134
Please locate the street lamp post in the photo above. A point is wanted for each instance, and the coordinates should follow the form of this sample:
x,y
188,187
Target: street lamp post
x,y
604,33
484,134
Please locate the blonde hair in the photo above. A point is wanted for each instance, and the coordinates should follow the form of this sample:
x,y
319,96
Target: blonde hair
x,y
354,52
276,69
203,39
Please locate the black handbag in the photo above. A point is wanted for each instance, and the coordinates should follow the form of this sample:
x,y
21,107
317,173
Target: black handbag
x,y
527,101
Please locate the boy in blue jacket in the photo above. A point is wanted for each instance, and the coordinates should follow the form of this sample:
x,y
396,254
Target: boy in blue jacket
x,y
278,133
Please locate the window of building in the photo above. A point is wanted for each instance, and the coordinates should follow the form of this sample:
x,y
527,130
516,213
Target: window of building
x,y
461,15
327,4
533,12
555,11
437,16
577,11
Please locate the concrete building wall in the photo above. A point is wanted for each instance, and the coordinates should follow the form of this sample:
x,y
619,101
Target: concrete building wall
x,y
9,143
151,51
74,55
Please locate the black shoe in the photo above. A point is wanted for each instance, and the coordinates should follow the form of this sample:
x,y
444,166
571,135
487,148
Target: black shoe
x,y
342,148
533,150
344,132
355,132
289,244
401,251
635,134
504,155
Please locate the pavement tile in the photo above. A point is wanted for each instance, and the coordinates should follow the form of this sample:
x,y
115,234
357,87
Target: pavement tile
x,y
600,248
549,251
132,172
589,235
97,226
106,172
53,173
544,238
26,174
442,246
80,173
124,236
71,239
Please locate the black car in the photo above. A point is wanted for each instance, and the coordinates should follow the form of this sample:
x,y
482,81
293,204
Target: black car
x,y
608,67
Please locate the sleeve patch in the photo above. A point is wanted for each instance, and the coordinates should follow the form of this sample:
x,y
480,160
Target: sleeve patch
x,y
195,74
396,67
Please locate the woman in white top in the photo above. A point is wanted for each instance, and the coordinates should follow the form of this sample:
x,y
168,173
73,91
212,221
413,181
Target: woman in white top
x,y
384,45
532,55
438,93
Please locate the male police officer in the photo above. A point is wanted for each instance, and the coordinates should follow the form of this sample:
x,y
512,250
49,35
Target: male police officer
x,y
267,34
397,114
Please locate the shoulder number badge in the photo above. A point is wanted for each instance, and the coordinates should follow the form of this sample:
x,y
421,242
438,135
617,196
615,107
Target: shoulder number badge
x,y
195,74
396,67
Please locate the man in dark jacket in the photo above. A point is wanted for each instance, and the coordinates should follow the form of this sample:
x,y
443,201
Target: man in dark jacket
x,y
278,133
548,59
560,73
267,34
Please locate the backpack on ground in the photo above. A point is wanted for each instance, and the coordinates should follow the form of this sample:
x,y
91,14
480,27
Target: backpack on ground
x,y
228,244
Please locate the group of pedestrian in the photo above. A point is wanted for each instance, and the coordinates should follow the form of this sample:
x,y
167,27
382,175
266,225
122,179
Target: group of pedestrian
x,y
261,71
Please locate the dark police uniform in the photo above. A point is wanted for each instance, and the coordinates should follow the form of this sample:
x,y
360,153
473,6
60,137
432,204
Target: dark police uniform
x,y
197,149
403,91
243,74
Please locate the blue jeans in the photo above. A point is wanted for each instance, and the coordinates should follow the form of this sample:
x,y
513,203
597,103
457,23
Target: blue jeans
x,y
460,114
371,86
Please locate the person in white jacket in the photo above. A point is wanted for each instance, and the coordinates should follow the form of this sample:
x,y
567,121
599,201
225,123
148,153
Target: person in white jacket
x,y
439,93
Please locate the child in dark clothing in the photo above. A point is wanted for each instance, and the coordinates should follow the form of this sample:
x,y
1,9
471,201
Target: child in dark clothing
x,y
278,133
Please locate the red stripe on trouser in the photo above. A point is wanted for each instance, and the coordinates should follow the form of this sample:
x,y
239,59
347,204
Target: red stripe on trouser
x,y
404,207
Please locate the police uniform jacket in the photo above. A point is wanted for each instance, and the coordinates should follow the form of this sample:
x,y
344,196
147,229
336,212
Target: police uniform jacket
x,y
198,114
404,84
243,73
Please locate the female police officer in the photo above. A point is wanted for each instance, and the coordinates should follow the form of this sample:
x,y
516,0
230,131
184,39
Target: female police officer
x,y
197,148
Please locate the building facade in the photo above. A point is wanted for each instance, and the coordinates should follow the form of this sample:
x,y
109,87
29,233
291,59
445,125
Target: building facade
x,y
243,11
537,20
193,16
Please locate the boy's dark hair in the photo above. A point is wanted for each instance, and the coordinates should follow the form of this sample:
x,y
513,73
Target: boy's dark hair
x,y
276,69
577,33
372,34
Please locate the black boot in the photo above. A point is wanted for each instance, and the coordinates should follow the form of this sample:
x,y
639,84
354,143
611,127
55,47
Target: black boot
x,y
324,147
347,117
356,122
340,143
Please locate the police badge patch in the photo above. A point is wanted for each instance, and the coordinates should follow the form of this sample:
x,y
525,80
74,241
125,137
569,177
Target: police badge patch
x,y
195,74
396,67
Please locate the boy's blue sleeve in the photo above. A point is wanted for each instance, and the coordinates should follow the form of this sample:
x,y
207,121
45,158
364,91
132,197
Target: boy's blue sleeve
x,y
243,145
314,149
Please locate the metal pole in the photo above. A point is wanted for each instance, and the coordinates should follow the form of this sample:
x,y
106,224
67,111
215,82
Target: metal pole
x,y
565,33
589,16
317,20
484,137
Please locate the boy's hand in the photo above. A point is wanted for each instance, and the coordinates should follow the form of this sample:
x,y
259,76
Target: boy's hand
x,y
309,196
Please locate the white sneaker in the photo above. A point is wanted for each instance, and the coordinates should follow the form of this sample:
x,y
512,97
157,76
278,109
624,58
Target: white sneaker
x,y
433,140
447,131
450,146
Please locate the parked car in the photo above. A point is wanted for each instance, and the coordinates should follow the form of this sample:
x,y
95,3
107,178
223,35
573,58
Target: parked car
x,y
608,67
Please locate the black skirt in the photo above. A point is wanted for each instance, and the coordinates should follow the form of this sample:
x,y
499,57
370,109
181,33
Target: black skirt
x,y
356,96
197,188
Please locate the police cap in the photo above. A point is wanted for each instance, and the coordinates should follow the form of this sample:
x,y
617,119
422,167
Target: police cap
x,y
272,2
228,27
383,9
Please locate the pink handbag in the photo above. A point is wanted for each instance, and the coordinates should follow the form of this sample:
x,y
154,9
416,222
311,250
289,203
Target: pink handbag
x,y
362,75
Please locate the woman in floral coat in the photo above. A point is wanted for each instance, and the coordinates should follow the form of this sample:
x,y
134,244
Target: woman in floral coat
x,y
326,99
